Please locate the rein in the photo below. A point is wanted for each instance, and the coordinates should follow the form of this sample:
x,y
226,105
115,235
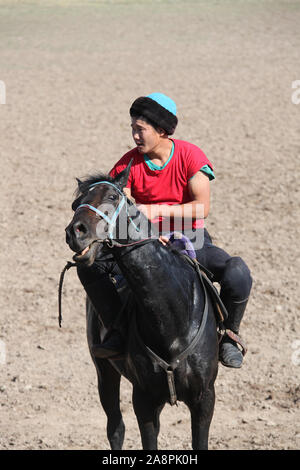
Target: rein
x,y
110,244
61,280
113,244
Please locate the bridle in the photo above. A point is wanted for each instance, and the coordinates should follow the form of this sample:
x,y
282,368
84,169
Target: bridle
x,y
108,241
111,221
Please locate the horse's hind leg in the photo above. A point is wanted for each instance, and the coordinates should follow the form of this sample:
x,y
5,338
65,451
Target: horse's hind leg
x,y
109,393
201,416
147,414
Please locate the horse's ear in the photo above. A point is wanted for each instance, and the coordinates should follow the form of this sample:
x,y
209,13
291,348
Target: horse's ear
x,y
122,178
76,203
79,182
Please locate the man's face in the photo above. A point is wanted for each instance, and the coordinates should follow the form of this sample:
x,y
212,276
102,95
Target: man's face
x,y
147,138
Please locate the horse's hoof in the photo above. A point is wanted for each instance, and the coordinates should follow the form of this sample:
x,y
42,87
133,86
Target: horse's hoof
x,y
229,354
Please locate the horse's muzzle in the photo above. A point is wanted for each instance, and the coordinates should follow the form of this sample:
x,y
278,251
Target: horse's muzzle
x,y
87,255
79,240
77,235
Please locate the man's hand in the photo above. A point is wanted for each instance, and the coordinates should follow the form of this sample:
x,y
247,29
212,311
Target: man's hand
x,y
164,240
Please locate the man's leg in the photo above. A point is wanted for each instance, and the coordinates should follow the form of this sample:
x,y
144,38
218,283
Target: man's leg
x,y
235,290
235,280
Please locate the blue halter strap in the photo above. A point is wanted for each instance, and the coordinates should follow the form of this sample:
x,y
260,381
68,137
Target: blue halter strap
x,y
110,220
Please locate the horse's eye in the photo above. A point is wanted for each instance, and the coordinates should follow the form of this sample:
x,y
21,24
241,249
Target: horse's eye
x,y
112,197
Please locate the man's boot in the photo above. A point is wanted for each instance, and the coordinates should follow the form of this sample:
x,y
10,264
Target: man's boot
x,y
229,353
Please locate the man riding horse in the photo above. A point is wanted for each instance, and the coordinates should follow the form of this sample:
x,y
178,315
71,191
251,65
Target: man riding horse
x,y
170,180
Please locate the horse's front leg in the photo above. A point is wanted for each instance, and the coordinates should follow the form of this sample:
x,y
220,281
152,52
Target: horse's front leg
x,y
201,415
109,393
147,414
108,383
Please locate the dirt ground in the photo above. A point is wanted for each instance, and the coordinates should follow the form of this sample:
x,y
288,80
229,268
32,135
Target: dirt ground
x,y
71,70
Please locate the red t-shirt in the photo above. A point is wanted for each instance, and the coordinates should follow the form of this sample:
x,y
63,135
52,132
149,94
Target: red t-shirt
x,y
165,186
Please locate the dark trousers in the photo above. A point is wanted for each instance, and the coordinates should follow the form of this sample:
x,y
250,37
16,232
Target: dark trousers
x,y
231,272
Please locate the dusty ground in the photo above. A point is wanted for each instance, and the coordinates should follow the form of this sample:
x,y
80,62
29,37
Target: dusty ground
x,y
71,70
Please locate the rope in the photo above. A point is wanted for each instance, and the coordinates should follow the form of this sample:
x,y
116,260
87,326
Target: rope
x,y
70,265
61,280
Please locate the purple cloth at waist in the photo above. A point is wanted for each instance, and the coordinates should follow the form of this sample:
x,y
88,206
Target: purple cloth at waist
x,y
182,243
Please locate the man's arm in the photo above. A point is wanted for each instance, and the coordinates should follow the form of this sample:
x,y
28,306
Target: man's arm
x,y
198,207
127,191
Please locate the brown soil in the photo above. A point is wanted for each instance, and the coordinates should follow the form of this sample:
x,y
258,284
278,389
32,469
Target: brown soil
x,y
71,70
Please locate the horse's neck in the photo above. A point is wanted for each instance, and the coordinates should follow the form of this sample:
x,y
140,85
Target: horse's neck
x,y
165,294
138,226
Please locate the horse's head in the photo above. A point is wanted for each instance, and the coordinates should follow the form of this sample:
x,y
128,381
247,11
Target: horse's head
x,y
102,214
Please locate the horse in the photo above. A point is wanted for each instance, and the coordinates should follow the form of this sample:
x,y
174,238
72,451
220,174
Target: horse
x,y
172,341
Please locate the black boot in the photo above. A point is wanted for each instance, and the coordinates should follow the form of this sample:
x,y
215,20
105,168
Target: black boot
x,y
229,353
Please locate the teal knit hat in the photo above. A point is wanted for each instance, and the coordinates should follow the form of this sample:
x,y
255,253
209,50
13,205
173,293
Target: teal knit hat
x,y
158,109
164,101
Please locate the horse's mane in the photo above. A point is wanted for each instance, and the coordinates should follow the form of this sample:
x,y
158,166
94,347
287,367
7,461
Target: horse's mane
x,y
84,184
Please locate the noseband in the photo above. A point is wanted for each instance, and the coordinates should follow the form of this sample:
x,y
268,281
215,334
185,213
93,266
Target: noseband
x,y
111,221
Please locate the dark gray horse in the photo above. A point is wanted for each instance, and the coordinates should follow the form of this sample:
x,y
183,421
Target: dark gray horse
x,y
172,344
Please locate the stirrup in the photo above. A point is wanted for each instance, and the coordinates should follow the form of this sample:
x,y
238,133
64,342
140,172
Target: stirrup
x,y
232,344
238,340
